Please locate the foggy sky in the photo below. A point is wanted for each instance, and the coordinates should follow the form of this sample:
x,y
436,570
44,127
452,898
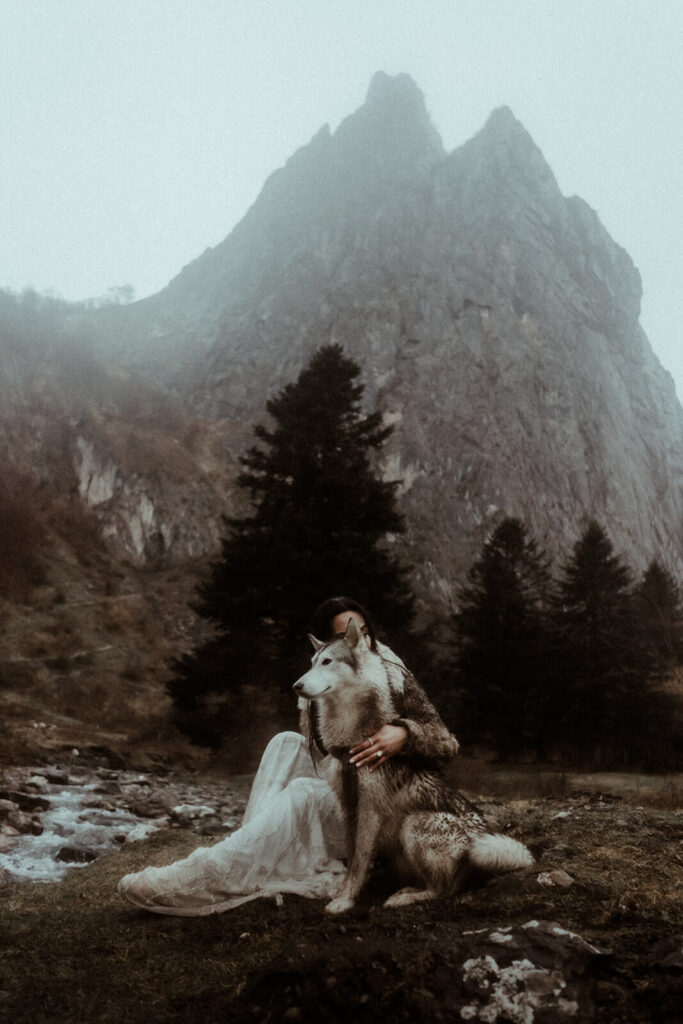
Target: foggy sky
x,y
135,133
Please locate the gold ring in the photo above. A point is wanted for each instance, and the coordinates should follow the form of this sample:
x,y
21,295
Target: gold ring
x,y
370,742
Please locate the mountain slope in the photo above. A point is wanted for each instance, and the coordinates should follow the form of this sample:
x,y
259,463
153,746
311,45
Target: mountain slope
x,y
496,322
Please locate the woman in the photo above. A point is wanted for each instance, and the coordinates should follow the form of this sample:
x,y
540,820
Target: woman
x,y
292,834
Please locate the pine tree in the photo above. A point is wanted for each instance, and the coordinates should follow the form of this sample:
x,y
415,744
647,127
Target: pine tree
x,y
501,637
321,525
660,616
610,709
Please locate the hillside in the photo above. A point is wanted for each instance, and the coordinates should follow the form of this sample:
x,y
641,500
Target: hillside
x,y
495,320
110,499
496,325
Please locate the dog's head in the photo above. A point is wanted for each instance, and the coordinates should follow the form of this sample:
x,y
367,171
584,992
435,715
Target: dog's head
x,y
335,664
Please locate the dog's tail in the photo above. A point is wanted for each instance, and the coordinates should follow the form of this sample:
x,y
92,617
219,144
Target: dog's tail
x,y
495,853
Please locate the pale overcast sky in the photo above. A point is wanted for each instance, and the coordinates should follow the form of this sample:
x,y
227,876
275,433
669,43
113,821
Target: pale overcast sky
x,y
135,133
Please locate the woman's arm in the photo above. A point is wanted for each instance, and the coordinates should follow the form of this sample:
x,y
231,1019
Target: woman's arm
x,y
416,731
428,737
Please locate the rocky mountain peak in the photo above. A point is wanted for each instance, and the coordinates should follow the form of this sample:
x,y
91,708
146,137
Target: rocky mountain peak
x,y
390,138
326,190
504,155
395,89
392,130
496,323
502,123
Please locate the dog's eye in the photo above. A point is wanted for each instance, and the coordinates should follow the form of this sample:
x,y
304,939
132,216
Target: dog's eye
x,y
326,661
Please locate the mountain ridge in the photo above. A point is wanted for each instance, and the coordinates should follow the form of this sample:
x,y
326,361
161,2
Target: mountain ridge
x,y
495,320
495,323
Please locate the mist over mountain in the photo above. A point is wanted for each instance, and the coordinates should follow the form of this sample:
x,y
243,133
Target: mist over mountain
x,y
494,319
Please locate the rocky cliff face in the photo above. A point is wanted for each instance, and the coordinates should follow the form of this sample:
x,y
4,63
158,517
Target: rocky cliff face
x,y
154,478
495,320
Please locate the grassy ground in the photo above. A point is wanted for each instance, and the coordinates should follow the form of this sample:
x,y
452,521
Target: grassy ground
x,y
74,952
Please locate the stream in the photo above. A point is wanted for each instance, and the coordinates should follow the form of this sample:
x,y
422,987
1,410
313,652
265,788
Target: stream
x,y
55,820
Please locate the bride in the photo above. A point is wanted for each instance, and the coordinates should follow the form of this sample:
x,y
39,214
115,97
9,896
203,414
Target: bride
x,y
292,834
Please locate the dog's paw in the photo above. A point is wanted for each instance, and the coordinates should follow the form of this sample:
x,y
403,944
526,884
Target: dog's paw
x,y
339,905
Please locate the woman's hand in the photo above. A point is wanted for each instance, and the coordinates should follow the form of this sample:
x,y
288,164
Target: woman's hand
x,y
377,748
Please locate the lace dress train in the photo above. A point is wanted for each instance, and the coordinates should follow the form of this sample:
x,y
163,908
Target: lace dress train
x,y
291,840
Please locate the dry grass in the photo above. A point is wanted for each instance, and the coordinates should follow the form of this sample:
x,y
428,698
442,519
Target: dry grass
x,y
22,532
38,644
55,640
479,777
127,612
44,598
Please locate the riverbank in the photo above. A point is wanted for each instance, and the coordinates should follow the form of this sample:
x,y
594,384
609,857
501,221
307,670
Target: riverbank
x,y
54,819
608,869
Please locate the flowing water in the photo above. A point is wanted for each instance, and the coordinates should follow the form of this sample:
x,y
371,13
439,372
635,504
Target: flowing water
x,y
97,812
73,834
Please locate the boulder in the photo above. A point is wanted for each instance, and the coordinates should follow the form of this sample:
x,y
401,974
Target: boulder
x,y
557,877
137,833
26,824
187,814
75,855
26,801
557,852
212,827
56,777
97,803
95,816
536,971
37,783
151,807
109,786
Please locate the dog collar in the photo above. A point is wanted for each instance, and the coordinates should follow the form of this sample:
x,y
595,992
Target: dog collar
x,y
339,753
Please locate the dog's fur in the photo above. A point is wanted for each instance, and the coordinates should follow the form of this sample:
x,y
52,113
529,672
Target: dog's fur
x,y
399,810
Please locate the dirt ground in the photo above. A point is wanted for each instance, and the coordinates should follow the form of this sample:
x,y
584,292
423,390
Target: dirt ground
x,y
72,951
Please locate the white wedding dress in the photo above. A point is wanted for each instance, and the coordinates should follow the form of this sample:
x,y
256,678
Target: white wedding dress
x,y
291,841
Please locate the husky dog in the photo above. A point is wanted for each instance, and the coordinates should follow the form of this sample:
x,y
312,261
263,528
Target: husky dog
x,y
400,810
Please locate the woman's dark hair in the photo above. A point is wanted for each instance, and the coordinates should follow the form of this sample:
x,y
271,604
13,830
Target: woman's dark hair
x,y
320,627
321,620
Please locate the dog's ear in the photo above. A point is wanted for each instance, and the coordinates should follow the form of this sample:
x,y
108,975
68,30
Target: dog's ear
x,y
353,635
317,644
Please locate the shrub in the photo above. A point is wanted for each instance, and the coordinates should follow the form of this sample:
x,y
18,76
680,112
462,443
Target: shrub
x,y
22,532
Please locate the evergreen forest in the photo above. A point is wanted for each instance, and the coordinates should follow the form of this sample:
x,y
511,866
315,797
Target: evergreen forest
x,y
573,664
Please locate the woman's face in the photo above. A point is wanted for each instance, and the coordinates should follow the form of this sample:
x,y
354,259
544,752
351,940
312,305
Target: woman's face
x,y
341,621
